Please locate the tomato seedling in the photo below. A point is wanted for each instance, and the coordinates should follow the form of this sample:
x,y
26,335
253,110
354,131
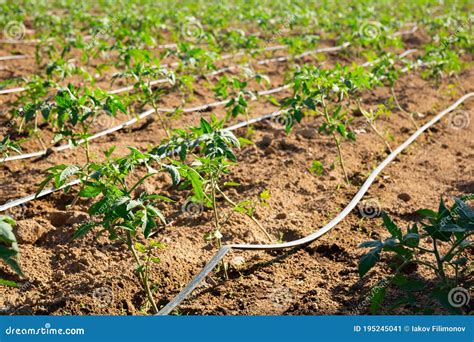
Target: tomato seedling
x,y
448,230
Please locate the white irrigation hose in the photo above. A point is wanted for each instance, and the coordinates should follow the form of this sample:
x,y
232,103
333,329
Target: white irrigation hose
x,y
12,90
14,57
127,124
170,46
314,236
213,73
164,80
22,200
150,112
36,41
233,67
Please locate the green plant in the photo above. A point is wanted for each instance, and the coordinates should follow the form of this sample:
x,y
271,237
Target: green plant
x,y
7,146
80,107
210,163
193,59
384,71
119,208
144,76
371,116
9,252
448,231
235,90
440,61
206,171
317,167
30,105
313,87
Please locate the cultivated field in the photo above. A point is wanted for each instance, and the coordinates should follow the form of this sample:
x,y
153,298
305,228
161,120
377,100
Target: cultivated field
x,y
138,139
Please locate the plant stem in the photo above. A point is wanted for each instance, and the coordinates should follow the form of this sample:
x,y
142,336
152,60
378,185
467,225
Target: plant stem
x,y
160,117
372,125
37,135
216,219
20,128
409,115
86,144
456,244
214,205
439,261
338,145
141,272
259,225
85,129
341,160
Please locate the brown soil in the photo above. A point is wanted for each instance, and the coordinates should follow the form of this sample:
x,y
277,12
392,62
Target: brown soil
x,y
94,276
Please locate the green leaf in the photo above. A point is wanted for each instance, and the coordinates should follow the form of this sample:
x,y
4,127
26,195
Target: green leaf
x,y
90,191
109,152
465,212
317,167
368,261
392,227
132,204
43,184
427,213
174,173
8,283
377,298
451,228
84,229
206,127
155,260
411,239
7,254
373,243
154,212
68,172
99,207
140,247
442,210
196,183
6,233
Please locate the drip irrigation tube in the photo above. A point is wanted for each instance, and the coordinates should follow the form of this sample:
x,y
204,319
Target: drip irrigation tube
x,y
123,125
233,67
213,73
314,236
148,113
174,45
13,57
22,200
